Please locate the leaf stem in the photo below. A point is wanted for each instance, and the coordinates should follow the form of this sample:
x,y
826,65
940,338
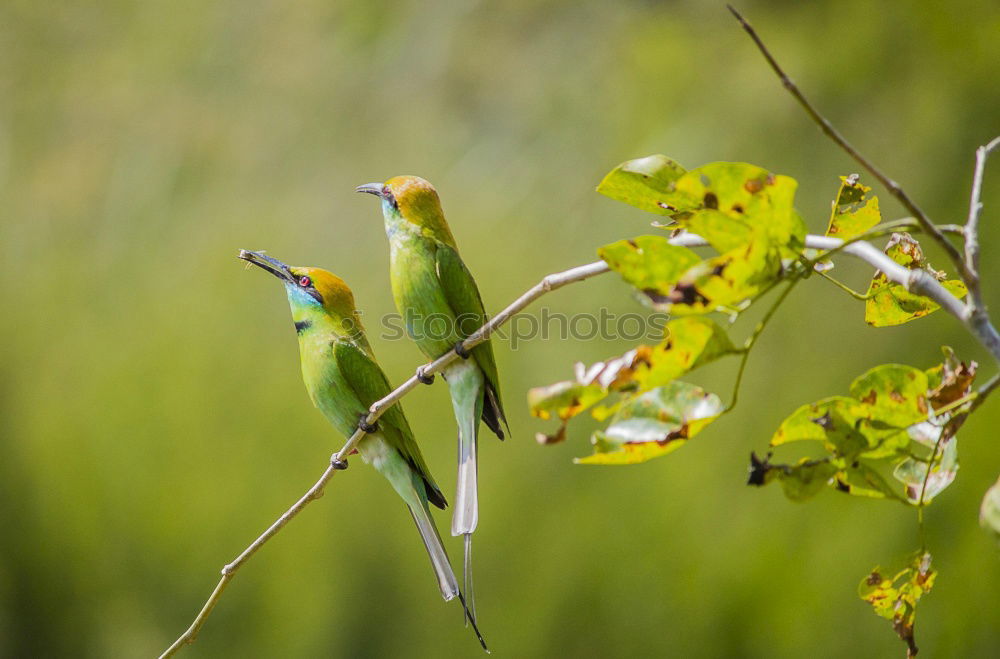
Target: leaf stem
x,y
752,339
844,287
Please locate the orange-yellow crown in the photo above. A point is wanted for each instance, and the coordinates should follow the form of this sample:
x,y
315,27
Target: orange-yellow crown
x,y
418,202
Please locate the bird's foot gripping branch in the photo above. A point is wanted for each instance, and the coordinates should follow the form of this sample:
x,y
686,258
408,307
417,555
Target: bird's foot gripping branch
x,y
892,437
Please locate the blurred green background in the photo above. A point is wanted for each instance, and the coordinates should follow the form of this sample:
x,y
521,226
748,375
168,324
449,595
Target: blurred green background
x,y
152,415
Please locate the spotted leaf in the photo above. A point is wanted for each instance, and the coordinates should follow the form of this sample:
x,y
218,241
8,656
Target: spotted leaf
x,y
648,183
653,424
889,303
854,212
894,595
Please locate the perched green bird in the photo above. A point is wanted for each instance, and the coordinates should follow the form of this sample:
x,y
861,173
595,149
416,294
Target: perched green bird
x,y
343,380
441,306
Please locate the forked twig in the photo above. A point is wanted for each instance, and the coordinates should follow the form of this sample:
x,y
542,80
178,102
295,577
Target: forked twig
x,y
894,188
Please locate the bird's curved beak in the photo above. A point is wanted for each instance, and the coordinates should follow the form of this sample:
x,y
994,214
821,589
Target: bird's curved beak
x,y
272,265
376,189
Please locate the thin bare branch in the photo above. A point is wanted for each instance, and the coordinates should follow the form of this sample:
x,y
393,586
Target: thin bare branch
x,y
229,570
894,188
972,224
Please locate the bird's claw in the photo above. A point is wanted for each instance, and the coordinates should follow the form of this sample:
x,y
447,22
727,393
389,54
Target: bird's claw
x,y
460,350
365,426
423,377
337,463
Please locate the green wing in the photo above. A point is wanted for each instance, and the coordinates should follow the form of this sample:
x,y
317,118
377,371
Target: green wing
x,y
463,297
369,384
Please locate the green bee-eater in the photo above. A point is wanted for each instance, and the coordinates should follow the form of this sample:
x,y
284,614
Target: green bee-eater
x,y
343,380
441,306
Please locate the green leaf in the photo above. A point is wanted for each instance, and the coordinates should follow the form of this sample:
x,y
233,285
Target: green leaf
x,y
647,183
689,343
563,399
722,232
832,420
653,424
799,482
889,303
746,193
649,263
676,279
896,394
726,281
854,212
861,480
895,597
750,194
989,510
806,479
887,423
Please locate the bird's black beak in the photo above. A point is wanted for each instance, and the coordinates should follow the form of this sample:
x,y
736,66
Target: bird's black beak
x,y
376,189
272,265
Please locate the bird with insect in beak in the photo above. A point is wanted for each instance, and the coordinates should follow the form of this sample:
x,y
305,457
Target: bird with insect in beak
x,y
343,380
430,284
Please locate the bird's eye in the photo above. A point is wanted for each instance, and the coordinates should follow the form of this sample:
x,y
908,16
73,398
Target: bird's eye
x,y
305,282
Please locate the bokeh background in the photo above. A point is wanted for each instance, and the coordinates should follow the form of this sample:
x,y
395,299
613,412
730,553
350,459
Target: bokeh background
x,y
152,415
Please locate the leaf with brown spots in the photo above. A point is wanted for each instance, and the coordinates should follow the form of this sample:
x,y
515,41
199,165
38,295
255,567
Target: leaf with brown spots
x,y
895,393
889,303
648,183
736,190
951,380
833,421
650,264
726,281
722,232
799,482
754,196
689,343
895,598
854,212
860,479
568,398
653,424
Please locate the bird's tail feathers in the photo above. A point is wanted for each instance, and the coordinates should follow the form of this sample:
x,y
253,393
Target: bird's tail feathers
x,y
493,414
442,566
467,393
435,549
